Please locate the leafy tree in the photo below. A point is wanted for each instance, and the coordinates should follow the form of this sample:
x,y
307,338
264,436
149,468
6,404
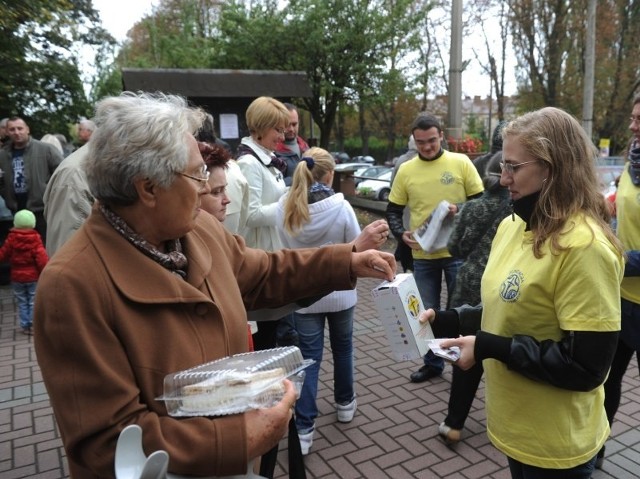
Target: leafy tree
x,y
617,78
178,34
344,46
40,77
359,55
549,39
385,84
543,41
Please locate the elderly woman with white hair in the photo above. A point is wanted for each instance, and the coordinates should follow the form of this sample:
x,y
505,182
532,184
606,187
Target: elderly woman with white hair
x,y
150,285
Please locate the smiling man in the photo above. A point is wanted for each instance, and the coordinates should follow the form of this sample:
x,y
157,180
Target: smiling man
x,y
27,165
420,184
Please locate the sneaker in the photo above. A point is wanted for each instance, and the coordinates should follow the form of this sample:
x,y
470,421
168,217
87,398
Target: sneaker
x,y
306,440
27,331
450,436
346,412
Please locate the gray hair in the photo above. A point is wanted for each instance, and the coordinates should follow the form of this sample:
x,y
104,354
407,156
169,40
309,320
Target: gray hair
x,y
87,124
53,140
138,135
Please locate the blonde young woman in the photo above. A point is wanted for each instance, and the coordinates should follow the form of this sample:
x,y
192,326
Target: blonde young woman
x,y
551,298
312,214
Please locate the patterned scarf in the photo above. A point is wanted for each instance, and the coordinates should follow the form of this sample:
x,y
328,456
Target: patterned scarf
x,y
319,192
175,261
634,162
278,163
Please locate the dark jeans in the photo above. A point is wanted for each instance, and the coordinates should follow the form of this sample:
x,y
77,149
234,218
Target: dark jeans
x,y
286,334
310,328
428,275
464,385
523,471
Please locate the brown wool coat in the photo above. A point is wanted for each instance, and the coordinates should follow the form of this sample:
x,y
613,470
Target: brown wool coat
x,y
110,323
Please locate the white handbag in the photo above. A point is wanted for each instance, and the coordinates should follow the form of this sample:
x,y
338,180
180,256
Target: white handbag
x,y
131,462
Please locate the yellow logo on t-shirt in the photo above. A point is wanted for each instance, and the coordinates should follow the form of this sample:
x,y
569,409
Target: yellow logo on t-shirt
x,y
447,178
510,288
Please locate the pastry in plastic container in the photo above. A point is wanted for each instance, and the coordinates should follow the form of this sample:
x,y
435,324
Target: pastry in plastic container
x,y
234,384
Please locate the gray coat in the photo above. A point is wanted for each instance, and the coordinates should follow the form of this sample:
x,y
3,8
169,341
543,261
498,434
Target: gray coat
x,y
40,161
473,232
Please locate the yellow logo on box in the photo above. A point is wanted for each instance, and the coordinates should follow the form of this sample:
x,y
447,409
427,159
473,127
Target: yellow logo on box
x,y
413,305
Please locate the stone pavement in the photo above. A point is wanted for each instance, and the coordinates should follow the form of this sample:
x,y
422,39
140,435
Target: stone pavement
x,y
393,435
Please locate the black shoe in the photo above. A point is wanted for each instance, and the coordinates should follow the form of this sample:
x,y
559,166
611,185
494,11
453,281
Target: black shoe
x,y
600,458
424,374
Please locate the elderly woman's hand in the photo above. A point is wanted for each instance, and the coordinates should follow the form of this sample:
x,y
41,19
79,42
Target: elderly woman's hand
x,y
373,264
467,354
372,236
265,427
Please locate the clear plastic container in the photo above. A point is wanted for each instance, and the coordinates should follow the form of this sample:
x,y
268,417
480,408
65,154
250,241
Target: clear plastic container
x,y
234,384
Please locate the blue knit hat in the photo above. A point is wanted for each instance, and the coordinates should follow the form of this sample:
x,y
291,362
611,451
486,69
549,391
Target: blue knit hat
x,y
24,219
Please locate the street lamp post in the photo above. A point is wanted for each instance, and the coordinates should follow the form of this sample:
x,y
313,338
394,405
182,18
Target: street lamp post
x,y
454,124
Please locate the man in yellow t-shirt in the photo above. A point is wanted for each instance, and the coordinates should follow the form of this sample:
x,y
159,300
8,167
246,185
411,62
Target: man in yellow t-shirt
x,y
421,183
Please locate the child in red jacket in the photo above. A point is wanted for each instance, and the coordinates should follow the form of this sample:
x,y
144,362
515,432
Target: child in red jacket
x,y
26,255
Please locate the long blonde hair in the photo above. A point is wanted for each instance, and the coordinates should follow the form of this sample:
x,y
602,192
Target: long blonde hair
x,y
555,137
296,205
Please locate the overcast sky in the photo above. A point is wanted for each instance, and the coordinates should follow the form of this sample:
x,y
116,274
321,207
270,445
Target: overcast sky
x,y
118,16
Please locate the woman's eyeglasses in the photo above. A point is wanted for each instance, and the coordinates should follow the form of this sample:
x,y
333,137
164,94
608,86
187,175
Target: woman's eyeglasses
x,y
511,168
202,179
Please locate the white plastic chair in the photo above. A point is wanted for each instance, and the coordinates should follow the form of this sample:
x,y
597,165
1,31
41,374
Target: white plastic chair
x,y
131,462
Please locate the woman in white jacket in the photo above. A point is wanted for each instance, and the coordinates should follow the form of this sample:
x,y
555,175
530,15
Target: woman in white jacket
x,y
266,120
312,214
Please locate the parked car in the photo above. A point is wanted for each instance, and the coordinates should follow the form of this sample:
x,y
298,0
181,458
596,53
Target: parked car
x,y
350,167
364,159
376,188
608,175
367,172
611,160
341,156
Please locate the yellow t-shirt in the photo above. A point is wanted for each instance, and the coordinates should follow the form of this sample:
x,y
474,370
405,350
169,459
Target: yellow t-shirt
x,y
421,185
628,208
573,290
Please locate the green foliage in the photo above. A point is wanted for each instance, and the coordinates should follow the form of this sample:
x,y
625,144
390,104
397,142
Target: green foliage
x,y
365,191
40,78
175,37
343,46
